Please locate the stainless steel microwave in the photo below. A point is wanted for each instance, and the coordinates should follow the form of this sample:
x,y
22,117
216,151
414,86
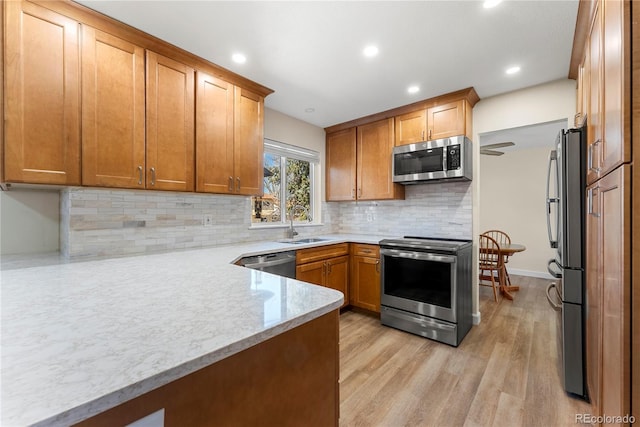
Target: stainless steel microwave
x,y
447,158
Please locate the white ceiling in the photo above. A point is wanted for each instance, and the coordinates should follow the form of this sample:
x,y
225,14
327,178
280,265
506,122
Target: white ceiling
x,y
524,137
310,52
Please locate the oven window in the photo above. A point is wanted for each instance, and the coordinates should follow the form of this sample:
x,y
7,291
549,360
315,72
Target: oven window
x,y
423,161
418,280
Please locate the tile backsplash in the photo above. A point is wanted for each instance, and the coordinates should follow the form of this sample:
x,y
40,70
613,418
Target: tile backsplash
x,y
100,222
434,210
103,222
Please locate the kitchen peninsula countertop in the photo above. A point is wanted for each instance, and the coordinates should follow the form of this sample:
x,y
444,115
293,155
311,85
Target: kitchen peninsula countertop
x,y
79,338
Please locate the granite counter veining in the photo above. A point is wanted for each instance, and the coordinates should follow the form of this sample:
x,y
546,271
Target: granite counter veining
x,y
81,337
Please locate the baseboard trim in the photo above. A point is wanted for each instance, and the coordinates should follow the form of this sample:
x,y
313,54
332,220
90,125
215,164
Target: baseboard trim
x,y
529,273
475,318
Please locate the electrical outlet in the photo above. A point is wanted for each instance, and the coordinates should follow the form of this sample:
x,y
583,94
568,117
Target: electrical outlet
x,y
369,217
207,220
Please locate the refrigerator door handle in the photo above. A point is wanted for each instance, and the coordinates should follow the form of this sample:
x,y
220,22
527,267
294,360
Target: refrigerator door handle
x,y
552,158
556,274
555,305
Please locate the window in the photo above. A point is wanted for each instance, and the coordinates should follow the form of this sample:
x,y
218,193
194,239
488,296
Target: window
x,y
288,185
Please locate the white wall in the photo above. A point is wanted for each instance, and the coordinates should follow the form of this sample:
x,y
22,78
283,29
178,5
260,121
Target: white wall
x,y
544,103
512,194
283,128
29,221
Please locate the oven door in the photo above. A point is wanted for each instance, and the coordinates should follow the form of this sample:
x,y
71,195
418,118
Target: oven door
x,y
419,282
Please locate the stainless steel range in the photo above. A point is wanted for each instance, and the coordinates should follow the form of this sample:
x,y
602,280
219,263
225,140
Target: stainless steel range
x,y
426,287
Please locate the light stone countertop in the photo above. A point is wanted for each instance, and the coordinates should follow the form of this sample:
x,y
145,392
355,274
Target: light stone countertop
x,y
79,338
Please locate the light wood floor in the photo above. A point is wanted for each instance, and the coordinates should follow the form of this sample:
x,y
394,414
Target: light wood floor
x,y
504,373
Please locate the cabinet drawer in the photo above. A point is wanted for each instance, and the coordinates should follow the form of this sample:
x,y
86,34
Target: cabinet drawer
x,y
361,249
321,253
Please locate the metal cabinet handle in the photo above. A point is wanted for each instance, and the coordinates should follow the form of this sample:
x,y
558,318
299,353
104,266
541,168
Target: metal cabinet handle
x,y
599,157
230,183
429,133
590,197
590,157
359,192
140,175
353,193
153,176
328,264
238,183
422,135
377,266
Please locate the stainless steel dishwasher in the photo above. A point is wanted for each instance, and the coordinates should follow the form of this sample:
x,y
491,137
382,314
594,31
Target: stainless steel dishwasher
x,y
280,263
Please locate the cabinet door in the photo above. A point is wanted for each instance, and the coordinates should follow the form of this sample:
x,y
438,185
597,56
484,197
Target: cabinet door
x,y
338,276
594,118
214,135
365,283
248,142
446,120
374,151
341,165
113,111
615,146
42,141
616,291
411,127
313,272
170,121
594,299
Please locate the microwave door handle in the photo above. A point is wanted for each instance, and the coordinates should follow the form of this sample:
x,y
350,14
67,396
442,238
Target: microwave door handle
x,y
444,159
552,159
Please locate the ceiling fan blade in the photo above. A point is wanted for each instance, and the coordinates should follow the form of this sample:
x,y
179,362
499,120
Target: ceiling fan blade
x,y
491,152
498,145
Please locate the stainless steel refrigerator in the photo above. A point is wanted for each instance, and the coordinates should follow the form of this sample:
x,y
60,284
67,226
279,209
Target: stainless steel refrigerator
x,y
566,223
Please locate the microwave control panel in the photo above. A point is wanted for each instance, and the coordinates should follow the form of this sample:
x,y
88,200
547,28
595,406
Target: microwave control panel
x,y
453,157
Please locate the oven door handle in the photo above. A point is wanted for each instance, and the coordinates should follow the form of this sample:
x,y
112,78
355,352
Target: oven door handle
x,y
424,256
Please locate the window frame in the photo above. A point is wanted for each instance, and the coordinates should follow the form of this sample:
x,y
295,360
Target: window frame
x,y
288,151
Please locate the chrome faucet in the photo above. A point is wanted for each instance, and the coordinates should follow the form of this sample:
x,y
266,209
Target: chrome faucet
x,y
292,232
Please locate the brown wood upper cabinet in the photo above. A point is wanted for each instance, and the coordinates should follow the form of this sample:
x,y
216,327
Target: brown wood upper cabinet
x,y
81,107
42,139
359,163
113,111
229,134
606,65
170,124
341,165
440,121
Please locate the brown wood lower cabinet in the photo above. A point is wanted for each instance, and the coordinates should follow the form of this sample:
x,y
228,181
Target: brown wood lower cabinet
x,y
364,286
325,266
288,380
609,294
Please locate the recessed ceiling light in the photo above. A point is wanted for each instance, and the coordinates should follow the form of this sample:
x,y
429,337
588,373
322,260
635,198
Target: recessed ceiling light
x,y
370,51
239,58
309,110
512,70
488,4
413,89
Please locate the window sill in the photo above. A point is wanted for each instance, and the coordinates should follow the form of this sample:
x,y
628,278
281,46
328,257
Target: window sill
x,y
259,226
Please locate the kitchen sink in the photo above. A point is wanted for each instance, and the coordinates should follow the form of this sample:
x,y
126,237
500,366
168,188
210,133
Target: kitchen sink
x,y
306,240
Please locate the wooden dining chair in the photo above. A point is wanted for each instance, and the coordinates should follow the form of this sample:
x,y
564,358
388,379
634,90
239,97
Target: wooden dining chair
x,y
502,239
489,261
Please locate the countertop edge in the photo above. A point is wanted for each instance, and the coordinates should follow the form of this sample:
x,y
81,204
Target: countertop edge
x,y
132,391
